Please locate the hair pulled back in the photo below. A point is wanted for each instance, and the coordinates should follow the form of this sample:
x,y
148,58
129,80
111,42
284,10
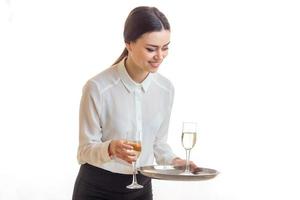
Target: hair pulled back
x,y
142,20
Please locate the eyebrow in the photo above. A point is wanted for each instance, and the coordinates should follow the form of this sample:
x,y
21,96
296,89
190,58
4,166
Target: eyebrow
x,y
152,45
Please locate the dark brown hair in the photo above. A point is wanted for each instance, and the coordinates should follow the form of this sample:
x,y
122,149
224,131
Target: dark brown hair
x,y
142,20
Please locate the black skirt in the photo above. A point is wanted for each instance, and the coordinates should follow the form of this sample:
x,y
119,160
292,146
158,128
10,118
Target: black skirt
x,y
94,183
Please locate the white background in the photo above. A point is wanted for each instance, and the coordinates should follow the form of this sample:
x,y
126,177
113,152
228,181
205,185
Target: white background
x,y
234,65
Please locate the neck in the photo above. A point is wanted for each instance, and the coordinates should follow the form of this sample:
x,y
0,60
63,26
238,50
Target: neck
x,y
136,73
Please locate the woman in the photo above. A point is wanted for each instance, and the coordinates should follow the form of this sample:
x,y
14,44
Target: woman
x,y
126,98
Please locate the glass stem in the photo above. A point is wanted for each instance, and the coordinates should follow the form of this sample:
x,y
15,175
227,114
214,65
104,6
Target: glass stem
x,y
187,162
134,173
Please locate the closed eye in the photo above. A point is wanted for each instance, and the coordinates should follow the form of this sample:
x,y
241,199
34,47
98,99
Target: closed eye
x,y
165,48
150,50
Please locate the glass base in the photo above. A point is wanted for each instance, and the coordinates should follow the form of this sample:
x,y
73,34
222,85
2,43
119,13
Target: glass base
x,y
134,186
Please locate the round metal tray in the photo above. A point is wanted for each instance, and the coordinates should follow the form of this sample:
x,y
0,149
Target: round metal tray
x,y
169,172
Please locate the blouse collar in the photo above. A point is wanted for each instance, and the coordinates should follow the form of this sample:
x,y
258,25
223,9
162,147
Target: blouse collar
x,y
130,84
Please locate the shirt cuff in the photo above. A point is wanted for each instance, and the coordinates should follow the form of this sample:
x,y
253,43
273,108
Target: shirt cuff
x,y
104,156
169,158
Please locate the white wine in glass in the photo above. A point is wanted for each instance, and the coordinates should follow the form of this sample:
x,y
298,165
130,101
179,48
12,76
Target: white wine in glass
x,y
135,142
188,140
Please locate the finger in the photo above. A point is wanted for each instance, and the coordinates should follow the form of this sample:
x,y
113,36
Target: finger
x,y
127,146
125,158
132,158
129,159
126,155
131,153
193,164
195,168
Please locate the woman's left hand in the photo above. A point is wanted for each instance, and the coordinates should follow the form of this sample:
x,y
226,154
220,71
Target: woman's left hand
x,y
180,163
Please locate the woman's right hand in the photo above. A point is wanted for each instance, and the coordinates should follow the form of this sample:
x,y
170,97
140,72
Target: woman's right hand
x,y
122,150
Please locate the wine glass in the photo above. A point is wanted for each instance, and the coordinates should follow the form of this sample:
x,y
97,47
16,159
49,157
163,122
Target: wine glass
x,y
188,140
136,142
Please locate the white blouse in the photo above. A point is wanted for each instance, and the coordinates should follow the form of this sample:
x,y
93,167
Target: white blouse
x,y
113,105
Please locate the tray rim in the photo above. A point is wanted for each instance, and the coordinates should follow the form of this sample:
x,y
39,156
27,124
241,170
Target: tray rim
x,y
145,170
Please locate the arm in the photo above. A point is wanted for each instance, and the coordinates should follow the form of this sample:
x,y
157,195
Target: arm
x,y
162,151
91,148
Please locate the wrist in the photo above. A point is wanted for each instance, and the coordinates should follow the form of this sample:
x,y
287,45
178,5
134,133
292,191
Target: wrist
x,y
110,149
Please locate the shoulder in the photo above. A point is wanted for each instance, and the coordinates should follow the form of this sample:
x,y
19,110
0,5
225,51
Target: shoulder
x,y
162,82
104,80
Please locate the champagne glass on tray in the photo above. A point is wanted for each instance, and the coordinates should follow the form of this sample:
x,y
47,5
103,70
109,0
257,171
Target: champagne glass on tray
x,y
188,141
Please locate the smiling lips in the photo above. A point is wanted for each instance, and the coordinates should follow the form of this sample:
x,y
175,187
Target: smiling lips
x,y
155,64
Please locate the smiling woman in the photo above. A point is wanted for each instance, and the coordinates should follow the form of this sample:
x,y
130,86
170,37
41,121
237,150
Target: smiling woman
x,y
118,103
146,54
235,67
147,36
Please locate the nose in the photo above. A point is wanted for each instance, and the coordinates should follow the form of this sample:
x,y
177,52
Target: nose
x,y
159,55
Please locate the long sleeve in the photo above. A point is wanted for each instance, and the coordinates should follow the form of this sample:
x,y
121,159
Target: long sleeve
x,y
162,151
91,148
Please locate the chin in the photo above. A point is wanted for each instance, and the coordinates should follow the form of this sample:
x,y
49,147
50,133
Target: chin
x,y
153,70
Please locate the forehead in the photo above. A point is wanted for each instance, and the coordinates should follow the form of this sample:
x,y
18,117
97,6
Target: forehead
x,y
158,38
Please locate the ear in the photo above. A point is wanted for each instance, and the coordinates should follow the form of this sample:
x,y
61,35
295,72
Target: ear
x,y
128,46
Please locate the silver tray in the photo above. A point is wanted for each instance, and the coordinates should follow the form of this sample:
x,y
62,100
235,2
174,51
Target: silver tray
x,y
169,172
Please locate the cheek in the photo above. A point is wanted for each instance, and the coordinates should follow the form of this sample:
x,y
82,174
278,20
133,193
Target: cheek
x,y
139,57
143,59
147,56
165,54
